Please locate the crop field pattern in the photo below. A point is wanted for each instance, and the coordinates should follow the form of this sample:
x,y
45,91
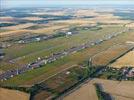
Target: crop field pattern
x,y
47,52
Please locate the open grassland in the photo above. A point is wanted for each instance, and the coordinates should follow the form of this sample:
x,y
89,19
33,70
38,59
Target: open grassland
x,y
125,61
110,54
37,75
62,81
6,94
30,52
119,90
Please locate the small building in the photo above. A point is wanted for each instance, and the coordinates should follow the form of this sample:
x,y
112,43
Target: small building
x,y
38,39
69,33
21,41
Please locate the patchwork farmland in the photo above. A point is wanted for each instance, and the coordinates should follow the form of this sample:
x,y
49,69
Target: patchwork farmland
x,y
52,52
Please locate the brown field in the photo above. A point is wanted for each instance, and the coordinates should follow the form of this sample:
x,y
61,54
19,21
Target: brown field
x,y
109,19
42,95
85,92
49,30
1,71
86,13
119,90
121,98
6,94
20,29
20,26
110,54
131,25
7,18
76,22
32,18
49,13
125,61
13,32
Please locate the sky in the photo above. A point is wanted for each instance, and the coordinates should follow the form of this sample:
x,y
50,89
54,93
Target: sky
x,y
43,3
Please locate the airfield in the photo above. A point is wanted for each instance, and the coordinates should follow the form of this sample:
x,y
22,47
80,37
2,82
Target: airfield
x,y
39,48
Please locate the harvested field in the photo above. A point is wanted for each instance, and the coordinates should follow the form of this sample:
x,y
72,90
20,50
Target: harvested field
x,y
131,25
109,19
126,61
23,28
1,71
110,54
32,18
49,13
6,94
13,32
85,92
86,12
49,30
118,90
7,18
76,22
121,98
20,26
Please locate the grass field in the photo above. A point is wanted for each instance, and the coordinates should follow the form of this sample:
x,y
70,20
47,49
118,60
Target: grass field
x,y
30,52
62,81
36,75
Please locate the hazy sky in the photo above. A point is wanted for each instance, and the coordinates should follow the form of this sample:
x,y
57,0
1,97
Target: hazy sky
x,y
37,3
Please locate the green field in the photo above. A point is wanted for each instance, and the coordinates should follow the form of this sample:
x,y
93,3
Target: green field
x,y
30,52
37,75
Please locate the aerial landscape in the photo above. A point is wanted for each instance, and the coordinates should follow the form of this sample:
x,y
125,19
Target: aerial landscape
x,y
67,50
